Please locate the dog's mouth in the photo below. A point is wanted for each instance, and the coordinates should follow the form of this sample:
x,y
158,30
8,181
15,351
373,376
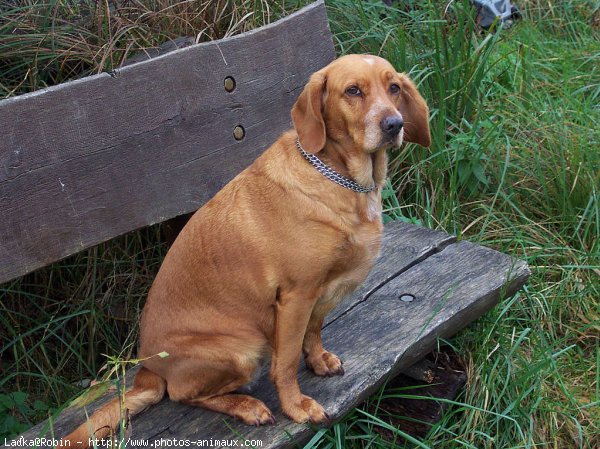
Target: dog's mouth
x,y
387,142
397,140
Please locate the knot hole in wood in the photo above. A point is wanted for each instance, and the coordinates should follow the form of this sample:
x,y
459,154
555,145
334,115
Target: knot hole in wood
x,y
406,297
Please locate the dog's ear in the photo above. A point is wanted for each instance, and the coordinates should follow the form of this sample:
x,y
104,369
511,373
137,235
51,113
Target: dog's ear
x,y
307,114
415,113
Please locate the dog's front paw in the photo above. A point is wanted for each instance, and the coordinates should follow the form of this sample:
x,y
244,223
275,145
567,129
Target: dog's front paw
x,y
325,364
307,409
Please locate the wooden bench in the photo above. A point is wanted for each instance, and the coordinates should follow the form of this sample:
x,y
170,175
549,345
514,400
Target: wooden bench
x,y
88,160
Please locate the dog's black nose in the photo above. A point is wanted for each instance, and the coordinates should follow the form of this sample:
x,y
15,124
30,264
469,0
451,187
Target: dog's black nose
x,y
391,125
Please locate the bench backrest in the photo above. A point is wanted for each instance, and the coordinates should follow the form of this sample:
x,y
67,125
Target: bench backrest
x,y
88,160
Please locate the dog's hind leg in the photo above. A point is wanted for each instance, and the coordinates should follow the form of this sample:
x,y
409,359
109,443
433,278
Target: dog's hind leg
x,y
210,383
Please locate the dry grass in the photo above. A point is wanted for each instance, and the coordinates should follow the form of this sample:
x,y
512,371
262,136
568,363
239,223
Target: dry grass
x,y
46,43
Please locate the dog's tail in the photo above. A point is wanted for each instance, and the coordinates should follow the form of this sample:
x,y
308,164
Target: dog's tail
x,y
148,389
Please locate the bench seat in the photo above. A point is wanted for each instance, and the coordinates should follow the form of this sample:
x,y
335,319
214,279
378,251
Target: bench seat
x,y
425,285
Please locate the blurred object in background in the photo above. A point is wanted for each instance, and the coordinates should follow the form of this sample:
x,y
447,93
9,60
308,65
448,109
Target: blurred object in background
x,y
492,12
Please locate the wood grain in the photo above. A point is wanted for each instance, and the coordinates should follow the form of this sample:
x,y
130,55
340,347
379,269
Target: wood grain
x,y
91,159
376,334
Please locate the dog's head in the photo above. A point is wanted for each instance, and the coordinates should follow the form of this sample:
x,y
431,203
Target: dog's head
x,y
363,99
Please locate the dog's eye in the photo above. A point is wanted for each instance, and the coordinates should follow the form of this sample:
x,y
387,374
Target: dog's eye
x,y
395,89
353,91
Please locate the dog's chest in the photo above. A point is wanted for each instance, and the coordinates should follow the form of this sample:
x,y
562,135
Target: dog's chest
x,y
355,258
373,208
364,241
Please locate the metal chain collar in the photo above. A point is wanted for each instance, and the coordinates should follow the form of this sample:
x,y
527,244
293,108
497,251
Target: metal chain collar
x,y
331,174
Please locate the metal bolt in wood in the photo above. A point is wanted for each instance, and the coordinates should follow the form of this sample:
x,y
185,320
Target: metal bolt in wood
x,y
239,132
229,84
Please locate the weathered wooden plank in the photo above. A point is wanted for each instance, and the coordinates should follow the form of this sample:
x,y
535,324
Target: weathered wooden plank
x,y
378,336
381,336
403,246
91,159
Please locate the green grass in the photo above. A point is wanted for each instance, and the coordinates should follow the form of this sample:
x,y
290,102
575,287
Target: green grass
x,y
514,164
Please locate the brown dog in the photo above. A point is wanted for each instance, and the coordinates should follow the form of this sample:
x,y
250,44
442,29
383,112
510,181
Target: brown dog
x,y
256,269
